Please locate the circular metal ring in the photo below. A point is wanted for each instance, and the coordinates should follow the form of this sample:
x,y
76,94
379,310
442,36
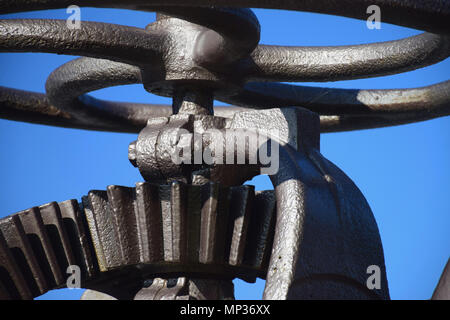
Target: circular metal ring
x,y
298,63
323,64
422,15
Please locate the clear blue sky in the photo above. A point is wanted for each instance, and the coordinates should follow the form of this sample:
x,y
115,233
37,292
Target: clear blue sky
x,y
403,171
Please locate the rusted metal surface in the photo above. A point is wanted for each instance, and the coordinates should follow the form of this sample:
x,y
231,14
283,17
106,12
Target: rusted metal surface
x,y
167,237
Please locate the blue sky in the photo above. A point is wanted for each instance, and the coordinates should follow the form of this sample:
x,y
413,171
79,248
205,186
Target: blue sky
x,y
403,171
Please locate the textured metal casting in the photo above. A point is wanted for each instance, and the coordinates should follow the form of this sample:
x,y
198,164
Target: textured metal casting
x,y
151,153
315,200
214,42
124,236
190,229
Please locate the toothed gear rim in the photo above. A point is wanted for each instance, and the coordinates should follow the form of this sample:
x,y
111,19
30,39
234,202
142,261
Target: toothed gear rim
x,y
122,236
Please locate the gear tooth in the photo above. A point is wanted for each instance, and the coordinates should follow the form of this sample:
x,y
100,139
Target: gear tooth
x,y
260,230
142,222
208,222
223,216
79,240
240,211
166,220
101,225
214,216
95,234
22,252
41,248
13,284
41,245
177,216
149,222
57,236
192,225
121,202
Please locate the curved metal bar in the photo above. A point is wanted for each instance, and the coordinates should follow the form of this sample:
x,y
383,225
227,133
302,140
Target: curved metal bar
x,y
330,101
357,122
315,200
268,63
67,87
26,106
348,109
290,64
344,105
239,27
325,234
344,109
77,77
431,16
102,40
33,107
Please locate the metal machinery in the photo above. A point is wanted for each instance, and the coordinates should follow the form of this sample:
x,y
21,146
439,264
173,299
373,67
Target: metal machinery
x,y
190,229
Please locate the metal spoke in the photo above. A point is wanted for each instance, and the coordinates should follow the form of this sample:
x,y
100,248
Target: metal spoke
x,y
292,64
74,79
374,108
34,107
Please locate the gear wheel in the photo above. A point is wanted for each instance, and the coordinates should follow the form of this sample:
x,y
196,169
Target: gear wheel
x,y
128,235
